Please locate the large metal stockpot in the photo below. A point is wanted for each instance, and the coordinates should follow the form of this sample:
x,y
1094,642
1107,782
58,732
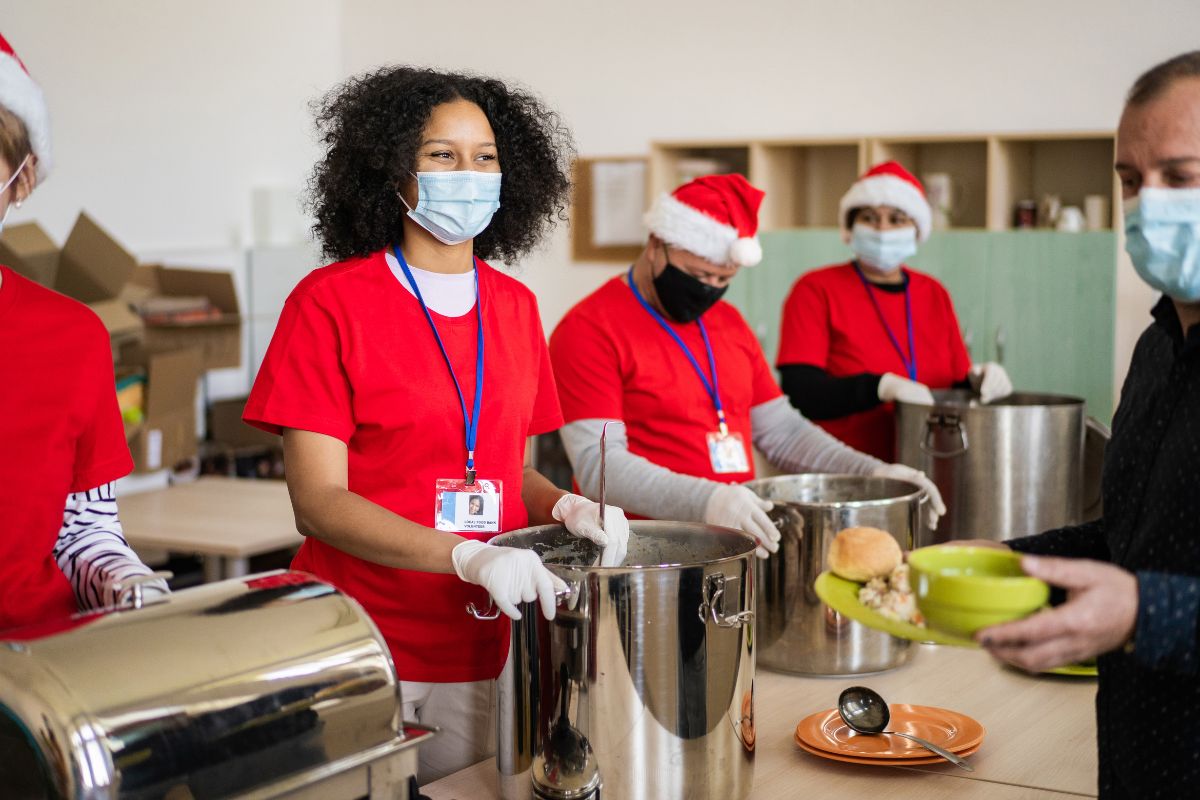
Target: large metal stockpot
x,y
275,685
642,687
1008,468
796,631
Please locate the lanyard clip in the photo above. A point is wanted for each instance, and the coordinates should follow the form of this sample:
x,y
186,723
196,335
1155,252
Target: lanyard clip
x,y
721,423
470,468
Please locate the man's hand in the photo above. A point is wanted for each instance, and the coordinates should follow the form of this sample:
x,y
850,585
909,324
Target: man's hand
x,y
1099,616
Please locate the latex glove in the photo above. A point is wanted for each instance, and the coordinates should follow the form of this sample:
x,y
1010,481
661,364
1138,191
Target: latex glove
x,y
892,388
510,575
990,380
734,506
935,508
582,518
1098,617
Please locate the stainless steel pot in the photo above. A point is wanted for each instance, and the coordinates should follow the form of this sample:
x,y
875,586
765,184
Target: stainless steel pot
x,y
1008,468
642,686
275,685
796,631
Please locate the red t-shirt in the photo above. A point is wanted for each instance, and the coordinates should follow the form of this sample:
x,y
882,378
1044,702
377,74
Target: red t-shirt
x,y
614,361
60,432
353,358
830,322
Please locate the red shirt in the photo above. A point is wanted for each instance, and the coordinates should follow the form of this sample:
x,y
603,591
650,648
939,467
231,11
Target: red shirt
x,y
830,322
60,432
614,361
353,358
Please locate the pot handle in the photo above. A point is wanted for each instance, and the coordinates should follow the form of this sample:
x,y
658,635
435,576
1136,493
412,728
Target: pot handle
x,y
712,604
935,421
567,597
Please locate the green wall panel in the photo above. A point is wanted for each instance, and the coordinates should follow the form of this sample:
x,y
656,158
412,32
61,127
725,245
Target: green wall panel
x,y
1050,296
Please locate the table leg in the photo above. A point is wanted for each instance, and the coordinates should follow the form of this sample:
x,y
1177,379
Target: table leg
x,y
237,567
212,569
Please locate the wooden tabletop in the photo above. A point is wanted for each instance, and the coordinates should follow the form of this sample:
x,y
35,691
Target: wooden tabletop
x,y
234,517
1040,741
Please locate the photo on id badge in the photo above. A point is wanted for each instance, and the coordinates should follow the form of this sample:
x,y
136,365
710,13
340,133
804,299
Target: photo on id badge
x,y
727,452
468,507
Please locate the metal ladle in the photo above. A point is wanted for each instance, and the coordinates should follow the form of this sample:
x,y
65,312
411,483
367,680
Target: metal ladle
x,y
865,711
604,472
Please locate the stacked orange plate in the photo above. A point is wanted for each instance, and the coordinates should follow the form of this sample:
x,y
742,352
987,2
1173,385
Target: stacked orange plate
x,y
823,734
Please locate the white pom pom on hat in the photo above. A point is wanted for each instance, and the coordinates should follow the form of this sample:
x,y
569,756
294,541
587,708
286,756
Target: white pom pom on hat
x,y
20,95
714,217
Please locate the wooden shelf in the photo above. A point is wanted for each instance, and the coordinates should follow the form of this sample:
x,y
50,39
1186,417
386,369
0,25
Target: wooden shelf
x,y
989,173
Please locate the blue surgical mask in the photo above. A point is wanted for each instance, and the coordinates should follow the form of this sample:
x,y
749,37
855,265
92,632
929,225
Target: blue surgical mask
x,y
1162,236
455,206
883,250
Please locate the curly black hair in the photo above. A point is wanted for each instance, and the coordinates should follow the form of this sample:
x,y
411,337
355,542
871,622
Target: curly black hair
x,y
371,126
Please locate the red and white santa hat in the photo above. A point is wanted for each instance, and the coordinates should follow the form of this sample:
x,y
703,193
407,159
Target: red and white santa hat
x,y
714,217
20,95
888,184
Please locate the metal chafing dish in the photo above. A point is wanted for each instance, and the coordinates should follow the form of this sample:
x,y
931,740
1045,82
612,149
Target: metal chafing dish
x,y
276,685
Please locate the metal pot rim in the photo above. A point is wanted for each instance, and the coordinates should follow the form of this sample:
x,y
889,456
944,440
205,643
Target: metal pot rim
x,y
959,399
750,542
914,495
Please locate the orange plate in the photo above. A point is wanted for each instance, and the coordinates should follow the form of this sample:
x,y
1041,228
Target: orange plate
x,y
886,762
945,728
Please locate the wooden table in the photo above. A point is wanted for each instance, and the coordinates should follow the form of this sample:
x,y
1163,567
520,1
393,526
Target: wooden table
x,y
223,520
1041,735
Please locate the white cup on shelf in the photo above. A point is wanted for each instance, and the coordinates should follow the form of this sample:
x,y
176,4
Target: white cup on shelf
x,y
1070,219
1096,211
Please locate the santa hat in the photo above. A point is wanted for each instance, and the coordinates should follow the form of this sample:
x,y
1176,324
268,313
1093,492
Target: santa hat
x,y
715,217
888,184
20,95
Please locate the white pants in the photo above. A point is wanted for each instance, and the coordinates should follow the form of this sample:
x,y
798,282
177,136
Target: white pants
x,y
466,714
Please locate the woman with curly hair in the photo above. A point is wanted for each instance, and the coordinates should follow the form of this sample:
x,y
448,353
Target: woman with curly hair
x,y
406,377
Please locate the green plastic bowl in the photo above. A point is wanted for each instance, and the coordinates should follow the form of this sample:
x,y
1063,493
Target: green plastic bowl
x,y
961,590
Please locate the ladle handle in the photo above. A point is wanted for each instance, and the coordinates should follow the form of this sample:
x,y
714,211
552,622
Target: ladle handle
x,y
956,760
603,463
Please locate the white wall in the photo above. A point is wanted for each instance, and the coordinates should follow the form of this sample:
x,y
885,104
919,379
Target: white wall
x,y
168,114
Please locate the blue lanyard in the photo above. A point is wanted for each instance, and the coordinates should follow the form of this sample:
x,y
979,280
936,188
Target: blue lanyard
x,y
471,423
714,388
910,363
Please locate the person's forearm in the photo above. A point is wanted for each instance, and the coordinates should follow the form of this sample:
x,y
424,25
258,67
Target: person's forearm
x,y
633,483
1077,541
1168,622
819,395
794,444
369,531
539,496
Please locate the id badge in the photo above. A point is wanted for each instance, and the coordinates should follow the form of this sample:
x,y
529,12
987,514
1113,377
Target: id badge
x,y
727,452
460,507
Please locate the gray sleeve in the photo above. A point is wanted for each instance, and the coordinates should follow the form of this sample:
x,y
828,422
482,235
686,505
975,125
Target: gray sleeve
x,y
633,483
794,444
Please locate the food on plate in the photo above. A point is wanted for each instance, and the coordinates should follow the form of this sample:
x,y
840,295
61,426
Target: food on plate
x,y
860,554
892,596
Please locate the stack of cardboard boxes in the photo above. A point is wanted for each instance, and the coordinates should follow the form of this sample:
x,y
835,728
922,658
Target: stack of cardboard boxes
x,y
157,363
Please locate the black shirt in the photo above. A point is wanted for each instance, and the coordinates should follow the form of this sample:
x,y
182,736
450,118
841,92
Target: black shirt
x,y
1148,704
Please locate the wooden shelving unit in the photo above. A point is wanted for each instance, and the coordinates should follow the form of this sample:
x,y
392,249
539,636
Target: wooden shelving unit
x,y
805,178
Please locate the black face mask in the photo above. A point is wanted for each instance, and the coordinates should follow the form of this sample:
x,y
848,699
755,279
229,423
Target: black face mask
x,y
683,297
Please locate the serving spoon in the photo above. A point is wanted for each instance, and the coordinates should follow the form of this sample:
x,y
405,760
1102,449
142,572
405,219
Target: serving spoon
x,y
865,711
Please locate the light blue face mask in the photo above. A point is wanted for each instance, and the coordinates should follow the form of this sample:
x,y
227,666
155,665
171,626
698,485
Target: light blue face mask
x,y
1162,236
455,206
883,250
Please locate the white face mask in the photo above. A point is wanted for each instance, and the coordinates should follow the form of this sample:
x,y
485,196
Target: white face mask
x,y
883,250
4,188
455,206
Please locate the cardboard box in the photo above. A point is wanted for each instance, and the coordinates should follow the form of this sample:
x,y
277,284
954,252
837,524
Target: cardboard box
x,y
219,339
225,426
30,251
167,435
92,266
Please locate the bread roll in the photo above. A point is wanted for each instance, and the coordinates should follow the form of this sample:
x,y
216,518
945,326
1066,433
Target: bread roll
x,y
859,554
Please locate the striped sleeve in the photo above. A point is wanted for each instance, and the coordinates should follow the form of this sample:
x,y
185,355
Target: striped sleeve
x,y
92,552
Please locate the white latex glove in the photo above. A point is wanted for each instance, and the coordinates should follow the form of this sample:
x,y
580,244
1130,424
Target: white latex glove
x,y
892,387
510,575
582,518
935,508
734,506
990,380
